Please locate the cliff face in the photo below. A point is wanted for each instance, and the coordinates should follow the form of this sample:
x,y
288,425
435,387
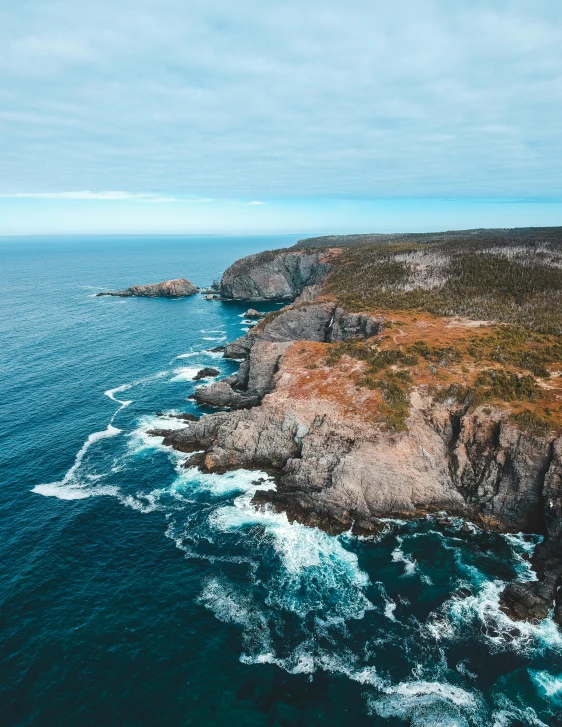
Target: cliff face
x,y
278,275
179,288
405,409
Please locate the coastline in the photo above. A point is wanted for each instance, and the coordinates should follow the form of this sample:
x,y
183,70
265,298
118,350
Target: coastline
x,y
410,440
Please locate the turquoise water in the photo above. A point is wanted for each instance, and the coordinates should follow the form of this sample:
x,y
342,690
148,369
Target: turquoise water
x,y
136,592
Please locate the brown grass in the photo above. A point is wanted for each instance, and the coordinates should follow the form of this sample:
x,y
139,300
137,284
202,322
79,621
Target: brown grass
x,y
456,360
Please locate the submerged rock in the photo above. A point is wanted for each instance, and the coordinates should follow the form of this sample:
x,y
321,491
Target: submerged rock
x,y
182,417
179,288
253,313
206,373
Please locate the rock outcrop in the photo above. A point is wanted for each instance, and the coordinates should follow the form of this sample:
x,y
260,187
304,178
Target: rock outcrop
x,y
179,288
206,373
324,322
277,275
262,348
252,313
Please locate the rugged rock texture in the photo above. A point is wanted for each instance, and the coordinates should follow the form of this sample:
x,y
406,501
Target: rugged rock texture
x,y
253,313
262,349
254,379
220,394
277,275
534,599
323,322
179,288
338,470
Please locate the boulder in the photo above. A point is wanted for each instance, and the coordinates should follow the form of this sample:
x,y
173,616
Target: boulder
x,y
253,313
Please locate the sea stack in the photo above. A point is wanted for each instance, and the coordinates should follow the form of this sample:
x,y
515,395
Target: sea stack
x,y
178,288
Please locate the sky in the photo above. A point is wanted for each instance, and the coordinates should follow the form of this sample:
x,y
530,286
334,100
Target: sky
x,y
322,116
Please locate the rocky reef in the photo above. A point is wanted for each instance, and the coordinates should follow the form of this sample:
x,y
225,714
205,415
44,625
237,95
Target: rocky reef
x,y
392,412
179,288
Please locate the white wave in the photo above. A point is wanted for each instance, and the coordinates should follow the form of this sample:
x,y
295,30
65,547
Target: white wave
x,y
448,692
474,574
398,556
317,573
389,609
71,492
523,548
71,487
300,661
496,626
210,338
204,352
111,394
118,389
425,704
389,604
186,373
548,685
439,627
464,670
229,605
140,440
511,714
236,481
145,501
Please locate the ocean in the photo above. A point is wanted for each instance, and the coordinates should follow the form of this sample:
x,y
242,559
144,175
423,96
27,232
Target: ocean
x,y
137,592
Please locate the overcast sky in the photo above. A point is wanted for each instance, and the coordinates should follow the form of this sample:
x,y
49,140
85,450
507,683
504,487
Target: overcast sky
x,y
179,114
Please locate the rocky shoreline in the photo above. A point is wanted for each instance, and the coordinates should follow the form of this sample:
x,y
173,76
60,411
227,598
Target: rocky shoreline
x,y
312,423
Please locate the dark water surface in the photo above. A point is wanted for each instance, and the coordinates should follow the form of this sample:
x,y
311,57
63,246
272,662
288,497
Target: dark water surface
x,y
136,592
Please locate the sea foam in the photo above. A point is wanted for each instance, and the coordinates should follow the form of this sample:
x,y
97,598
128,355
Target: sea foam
x,y
72,486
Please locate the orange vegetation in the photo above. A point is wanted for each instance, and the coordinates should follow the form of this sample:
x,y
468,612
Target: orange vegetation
x,y
457,361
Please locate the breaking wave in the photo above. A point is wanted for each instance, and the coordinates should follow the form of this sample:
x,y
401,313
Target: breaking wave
x,y
75,486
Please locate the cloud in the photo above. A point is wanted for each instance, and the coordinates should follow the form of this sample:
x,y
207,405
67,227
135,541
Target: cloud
x,y
252,99
86,195
255,201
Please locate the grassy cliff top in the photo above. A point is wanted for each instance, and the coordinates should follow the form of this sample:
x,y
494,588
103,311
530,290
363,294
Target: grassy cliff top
x,y
506,281
482,236
453,360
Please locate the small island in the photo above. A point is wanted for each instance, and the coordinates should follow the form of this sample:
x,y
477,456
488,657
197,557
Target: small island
x,y
178,288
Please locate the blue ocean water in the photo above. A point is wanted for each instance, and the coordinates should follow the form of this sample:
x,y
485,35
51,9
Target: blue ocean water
x,y
134,591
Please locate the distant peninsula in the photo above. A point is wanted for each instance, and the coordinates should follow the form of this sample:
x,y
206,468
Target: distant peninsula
x,y
178,288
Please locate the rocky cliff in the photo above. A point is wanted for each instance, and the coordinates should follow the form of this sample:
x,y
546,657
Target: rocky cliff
x,y
398,412
277,275
179,288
